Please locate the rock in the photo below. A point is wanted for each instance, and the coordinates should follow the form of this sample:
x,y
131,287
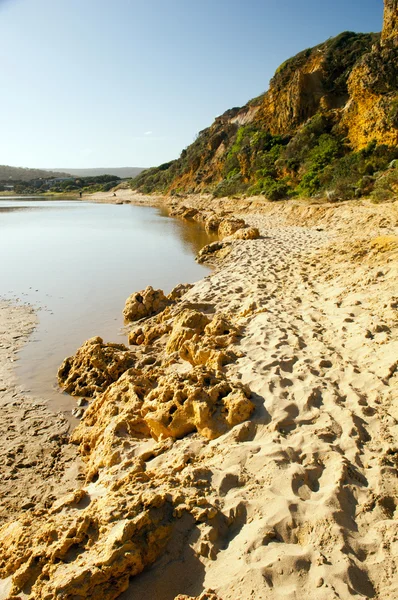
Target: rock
x,y
207,595
211,349
144,304
212,224
247,233
179,291
78,412
44,555
196,401
113,422
229,226
213,251
189,213
94,367
153,329
186,325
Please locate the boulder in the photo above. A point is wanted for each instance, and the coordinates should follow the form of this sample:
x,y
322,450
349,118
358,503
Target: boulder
x,y
213,251
94,367
144,304
228,226
247,233
212,224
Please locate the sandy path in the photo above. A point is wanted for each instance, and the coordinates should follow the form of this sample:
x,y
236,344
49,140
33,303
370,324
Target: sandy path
x,y
35,459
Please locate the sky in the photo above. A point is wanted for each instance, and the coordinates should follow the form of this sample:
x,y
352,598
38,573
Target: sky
x,y
94,83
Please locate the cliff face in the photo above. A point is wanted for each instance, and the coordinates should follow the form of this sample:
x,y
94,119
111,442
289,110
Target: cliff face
x,y
373,86
345,88
390,26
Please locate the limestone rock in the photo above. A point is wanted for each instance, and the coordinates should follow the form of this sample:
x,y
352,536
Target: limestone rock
x,y
144,304
390,24
213,251
207,595
229,226
212,224
211,349
186,325
94,367
246,233
178,291
152,329
113,423
195,401
83,552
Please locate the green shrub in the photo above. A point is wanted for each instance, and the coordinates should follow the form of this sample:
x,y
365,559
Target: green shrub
x,y
229,187
386,186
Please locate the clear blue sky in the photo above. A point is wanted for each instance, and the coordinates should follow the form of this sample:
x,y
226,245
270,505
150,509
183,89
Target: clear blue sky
x,y
94,83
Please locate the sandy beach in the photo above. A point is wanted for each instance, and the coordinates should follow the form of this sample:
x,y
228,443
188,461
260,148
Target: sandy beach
x,y
287,488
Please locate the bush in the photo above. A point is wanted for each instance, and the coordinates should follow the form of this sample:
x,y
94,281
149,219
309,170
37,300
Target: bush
x,y
386,186
270,188
229,187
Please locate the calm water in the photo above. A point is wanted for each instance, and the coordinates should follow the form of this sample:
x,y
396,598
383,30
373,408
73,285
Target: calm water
x,y
78,262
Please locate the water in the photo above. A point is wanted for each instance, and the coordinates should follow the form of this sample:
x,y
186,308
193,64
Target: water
x,y
78,262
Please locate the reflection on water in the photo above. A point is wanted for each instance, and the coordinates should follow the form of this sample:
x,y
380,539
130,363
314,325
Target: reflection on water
x,y
79,261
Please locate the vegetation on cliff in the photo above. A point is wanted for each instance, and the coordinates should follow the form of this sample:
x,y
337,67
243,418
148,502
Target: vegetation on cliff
x,y
327,125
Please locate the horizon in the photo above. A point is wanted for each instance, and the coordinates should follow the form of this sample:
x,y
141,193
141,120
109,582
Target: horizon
x,y
98,89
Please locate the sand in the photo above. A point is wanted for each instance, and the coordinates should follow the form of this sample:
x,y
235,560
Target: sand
x,y
312,477
36,462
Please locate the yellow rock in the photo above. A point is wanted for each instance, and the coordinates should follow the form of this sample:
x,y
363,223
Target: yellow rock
x,y
94,367
186,325
144,304
196,401
247,233
228,226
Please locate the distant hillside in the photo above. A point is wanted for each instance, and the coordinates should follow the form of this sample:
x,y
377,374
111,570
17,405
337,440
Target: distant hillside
x,y
327,125
8,173
122,172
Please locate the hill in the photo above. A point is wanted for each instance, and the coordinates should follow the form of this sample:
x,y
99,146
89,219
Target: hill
x,y
327,124
11,174
122,172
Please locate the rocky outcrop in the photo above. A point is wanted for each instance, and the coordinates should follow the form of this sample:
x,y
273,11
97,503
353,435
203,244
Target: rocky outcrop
x,y
196,401
93,541
208,595
136,488
213,348
188,324
213,251
247,233
229,226
144,304
94,367
390,25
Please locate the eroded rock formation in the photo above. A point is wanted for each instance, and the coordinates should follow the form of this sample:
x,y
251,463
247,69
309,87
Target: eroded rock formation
x,y
90,543
144,304
199,401
94,367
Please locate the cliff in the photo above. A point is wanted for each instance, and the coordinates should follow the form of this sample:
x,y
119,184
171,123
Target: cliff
x,y
330,109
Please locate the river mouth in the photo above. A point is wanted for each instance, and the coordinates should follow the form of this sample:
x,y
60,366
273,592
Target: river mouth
x,y
77,262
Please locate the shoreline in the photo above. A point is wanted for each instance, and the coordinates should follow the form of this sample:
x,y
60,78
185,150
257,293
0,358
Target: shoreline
x,y
35,461
316,309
